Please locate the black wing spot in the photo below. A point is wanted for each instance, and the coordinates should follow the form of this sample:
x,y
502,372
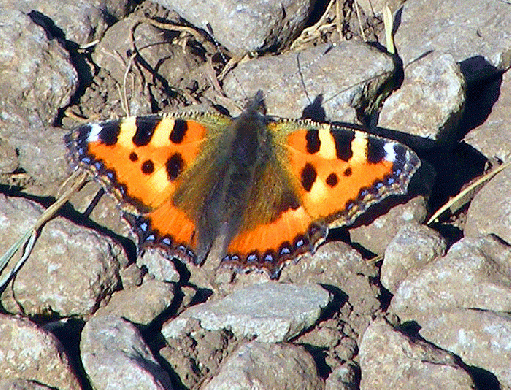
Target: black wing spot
x,y
178,131
109,132
145,130
133,156
313,141
147,167
400,159
376,150
174,165
347,172
332,180
308,176
343,140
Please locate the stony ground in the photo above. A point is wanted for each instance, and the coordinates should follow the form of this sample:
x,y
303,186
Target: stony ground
x,y
393,303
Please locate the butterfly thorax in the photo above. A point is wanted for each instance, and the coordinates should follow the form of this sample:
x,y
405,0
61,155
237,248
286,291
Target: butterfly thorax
x,y
245,148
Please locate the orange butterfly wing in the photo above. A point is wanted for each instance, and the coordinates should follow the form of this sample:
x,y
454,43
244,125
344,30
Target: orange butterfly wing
x,y
334,173
342,172
143,160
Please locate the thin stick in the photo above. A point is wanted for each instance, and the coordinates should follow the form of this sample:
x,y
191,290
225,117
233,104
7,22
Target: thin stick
x,y
27,240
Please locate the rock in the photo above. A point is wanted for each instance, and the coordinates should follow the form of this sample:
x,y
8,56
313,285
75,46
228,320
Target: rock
x,y
37,75
430,101
115,356
158,266
270,311
37,80
474,273
349,276
106,211
490,210
391,360
21,384
376,7
249,26
140,305
70,270
197,353
322,337
324,82
376,235
413,247
330,338
131,276
267,366
491,137
80,22
485,30
140,78
29,353
345,377
9,161
40,154
479,338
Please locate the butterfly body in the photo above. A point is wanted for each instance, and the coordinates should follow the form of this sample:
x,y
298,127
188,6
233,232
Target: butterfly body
x,y
261,190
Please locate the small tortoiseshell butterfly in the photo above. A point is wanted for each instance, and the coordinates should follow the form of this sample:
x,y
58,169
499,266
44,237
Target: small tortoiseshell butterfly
x,y
261,190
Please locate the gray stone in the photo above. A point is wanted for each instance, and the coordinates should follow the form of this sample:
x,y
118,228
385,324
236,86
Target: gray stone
x,y
270,311
267,366
78,21
70,270
158,266
140,305
391,360
413,247
430,101
376,235
329,336
197,353
338,265
490,210
37,80
491,138
30,353
131,276
113,55
376,7
341,78
21,384
249,25
40,153
115,356
480,338
37,75
475,273
437,26
9,160
345,377
106,211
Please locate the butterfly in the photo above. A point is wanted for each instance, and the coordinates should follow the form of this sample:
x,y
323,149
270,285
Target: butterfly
x,y
257,190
